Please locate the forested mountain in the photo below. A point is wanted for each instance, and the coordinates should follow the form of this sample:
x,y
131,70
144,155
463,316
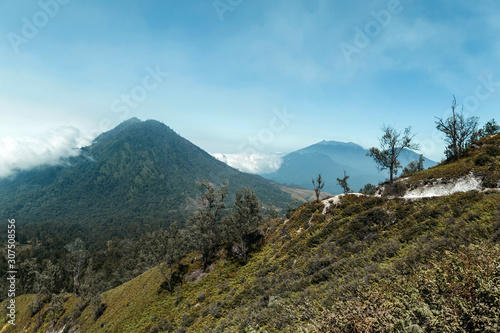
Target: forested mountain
x,y
331,158
138,176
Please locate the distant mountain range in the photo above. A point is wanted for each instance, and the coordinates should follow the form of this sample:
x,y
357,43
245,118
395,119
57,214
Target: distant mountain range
x,y
140,173
331,158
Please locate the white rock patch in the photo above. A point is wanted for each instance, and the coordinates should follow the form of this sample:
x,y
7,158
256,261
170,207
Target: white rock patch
x,y
442,188
335,200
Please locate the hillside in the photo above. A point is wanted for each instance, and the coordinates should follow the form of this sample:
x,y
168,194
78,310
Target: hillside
x,y
360,264
369,264
478,169
331,158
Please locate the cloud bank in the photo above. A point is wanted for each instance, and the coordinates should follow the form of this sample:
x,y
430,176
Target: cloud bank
x,y
24,153
252,163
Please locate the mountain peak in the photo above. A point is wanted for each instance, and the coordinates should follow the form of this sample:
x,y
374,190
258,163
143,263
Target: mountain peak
x,y
332,145
117,130
127,123
133,120
337,143
132,124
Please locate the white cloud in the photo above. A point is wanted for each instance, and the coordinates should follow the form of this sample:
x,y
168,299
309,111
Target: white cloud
x,y
252,163
24,153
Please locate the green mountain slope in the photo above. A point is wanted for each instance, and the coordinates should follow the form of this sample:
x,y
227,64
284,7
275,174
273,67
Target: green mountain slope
x,y
364,264
139,171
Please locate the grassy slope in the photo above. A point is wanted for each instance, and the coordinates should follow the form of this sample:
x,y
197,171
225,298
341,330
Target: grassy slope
x,y
369,264
302,195
483,159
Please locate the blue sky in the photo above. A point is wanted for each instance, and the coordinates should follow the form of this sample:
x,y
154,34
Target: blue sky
x,y
244,76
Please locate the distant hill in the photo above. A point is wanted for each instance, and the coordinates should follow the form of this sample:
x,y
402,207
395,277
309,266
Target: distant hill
x,y
139,173
331,158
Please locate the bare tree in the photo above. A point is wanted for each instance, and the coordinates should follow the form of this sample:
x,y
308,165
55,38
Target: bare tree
x,y
343,183
459,131
392,144
318,185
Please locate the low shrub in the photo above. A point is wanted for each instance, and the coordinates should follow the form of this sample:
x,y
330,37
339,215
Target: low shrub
x,y
396,189
368,189
162,326
483,160
35,306
215,309
493,151
188,320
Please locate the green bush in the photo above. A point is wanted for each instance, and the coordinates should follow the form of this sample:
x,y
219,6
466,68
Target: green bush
x,y
483,160
368,189
396,189
201,297
188,320
493,151
162,326
35,306
375,216
215,309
